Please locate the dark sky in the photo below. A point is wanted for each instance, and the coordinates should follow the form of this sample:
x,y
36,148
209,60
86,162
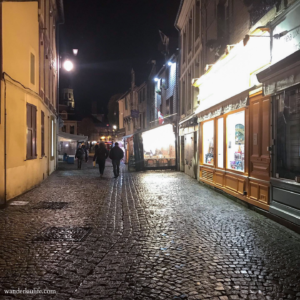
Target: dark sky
x,y
112,36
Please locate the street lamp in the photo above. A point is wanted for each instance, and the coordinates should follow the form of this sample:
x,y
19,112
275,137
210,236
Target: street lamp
x,y
68,65
114,127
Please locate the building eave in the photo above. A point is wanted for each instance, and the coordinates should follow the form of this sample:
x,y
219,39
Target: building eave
x,y
182,14
178,14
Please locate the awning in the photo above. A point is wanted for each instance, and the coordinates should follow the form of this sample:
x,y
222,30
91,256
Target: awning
x,y
68,137
281,75
127,136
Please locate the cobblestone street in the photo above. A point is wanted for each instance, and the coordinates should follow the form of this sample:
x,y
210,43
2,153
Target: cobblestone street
x,y
152,235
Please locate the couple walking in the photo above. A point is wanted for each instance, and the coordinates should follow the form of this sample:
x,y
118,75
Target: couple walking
x,y
101,154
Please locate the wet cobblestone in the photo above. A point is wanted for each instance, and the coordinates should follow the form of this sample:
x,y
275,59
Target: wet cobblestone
x,y
155,235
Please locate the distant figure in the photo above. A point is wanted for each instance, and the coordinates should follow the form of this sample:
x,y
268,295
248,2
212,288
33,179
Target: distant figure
x,y
116,154
97,146
101,154
85,151
80,155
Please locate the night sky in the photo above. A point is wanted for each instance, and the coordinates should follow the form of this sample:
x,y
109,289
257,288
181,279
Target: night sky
x,y
112,36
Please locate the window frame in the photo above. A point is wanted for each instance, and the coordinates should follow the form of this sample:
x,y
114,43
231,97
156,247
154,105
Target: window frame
x,y
33,130
52,138
245,145
225,143
42,133
202,143
217,141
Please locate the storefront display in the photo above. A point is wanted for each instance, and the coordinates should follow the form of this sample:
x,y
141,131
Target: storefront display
x,y
208,142
159,147
220,143
235,129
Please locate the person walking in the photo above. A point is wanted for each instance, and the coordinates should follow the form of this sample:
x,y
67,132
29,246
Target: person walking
x,y
101,154
86,155
97,146
116,154
80,156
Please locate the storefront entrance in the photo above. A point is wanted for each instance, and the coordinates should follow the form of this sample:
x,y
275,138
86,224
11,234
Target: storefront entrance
x,y
285,180
190,150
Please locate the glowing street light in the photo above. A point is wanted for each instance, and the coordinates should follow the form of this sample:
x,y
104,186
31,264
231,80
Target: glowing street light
x,y
68,65
75,51
156,79
115,127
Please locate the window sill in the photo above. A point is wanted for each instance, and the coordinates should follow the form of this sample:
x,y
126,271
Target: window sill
x,y
31,158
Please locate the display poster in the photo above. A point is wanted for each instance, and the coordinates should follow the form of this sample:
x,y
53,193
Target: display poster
x,y
239,134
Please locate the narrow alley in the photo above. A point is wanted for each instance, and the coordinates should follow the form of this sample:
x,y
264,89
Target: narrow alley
x,y
142,236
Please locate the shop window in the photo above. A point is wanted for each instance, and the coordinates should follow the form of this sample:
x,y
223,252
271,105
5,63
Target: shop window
x,y
72,129
235,129
287,134
208,142
220,143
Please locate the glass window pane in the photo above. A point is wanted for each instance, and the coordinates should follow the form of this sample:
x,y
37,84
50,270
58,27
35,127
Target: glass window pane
x,y
288,135
208,143
220,143
235,129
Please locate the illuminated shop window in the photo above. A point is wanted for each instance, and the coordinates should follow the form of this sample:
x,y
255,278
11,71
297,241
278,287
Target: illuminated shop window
x,y
159,147
208,143
220,143
236,141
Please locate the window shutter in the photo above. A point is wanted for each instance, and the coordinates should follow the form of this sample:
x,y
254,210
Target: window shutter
x,y
34,152
32,68
29,132
42,133
31,151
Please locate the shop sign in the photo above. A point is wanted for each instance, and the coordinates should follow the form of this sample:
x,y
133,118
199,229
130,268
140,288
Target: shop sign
x,y
233,74
286,35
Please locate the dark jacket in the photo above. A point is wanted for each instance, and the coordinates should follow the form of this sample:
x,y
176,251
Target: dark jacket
x,y
81,153
116,153
101,154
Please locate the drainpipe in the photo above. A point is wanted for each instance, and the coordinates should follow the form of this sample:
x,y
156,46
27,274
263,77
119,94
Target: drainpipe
x,y
58,23
4,146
